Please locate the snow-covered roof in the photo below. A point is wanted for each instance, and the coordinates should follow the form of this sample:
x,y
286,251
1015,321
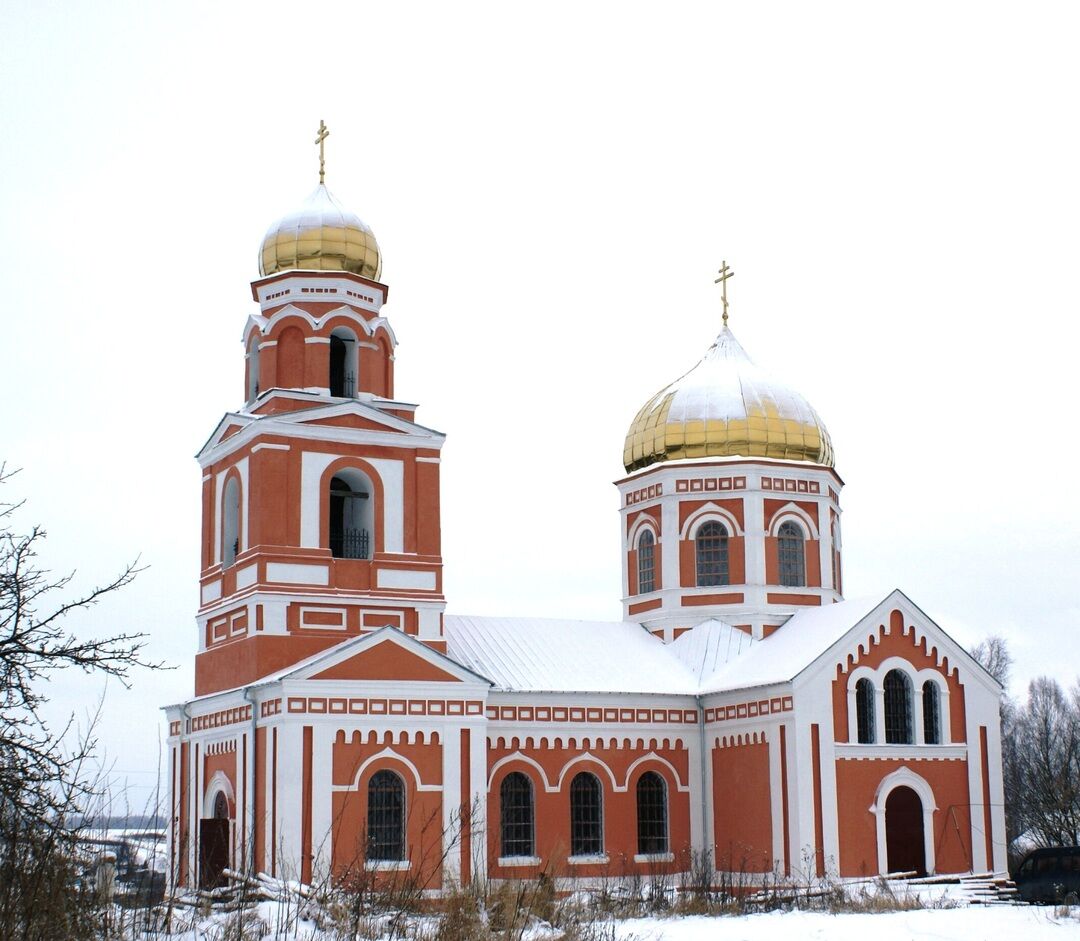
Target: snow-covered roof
x,y
544,654
791,648
567,656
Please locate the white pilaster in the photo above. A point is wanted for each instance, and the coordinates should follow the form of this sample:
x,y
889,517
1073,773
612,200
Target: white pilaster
x,y
322,811
477,798
451,776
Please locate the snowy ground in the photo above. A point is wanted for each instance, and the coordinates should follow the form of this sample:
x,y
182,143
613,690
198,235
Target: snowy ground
x,y
971,923
960,922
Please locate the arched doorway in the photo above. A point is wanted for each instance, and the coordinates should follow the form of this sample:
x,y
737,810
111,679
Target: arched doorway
x,y
214,845
904,831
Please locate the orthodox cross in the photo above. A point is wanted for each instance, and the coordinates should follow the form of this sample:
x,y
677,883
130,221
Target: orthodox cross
x,y
324,132
725,273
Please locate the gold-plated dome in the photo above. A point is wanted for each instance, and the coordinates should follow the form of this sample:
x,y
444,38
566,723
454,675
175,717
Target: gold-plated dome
x,y
322,235
726,407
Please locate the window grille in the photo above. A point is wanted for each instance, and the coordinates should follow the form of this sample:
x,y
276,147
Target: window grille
x,y
864,711
586,816
516,815
711,550
652,816
646,562
342,380
897,708
931,711
347,507
350,544
792,557
386,817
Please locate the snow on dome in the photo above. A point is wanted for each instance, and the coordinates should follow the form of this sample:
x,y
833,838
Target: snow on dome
x,y
322,235
726,407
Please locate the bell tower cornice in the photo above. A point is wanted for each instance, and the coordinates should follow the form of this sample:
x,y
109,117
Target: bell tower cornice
x,y
298,287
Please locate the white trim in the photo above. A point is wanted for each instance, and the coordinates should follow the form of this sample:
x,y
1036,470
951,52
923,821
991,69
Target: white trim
x,y
853,750
509,862
905,777
654,857
396,756
652,756
325,340
644,521
387,865
266,446
710,512
428,460
588,756
588,860
218,783
518,756
789,512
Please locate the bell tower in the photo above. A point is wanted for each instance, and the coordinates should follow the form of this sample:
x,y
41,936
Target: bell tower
x,y
320,495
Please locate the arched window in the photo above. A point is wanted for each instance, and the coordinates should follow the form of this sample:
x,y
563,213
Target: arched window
x,y
792,555
342,363
221,806
864,711
711,550
351,515
586,816
386,817
230,523
646,562
652,816
253,368
931,713
516,815
898,725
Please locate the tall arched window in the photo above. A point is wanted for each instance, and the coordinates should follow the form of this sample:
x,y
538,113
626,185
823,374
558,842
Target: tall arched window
x,y
652,815
711,551
898,725
931,712
586,816
342,363
864,711
230,522
352,515
253,368
790,548
646,562
516,817
386,817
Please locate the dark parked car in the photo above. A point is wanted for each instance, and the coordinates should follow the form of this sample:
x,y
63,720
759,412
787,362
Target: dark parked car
x,y
1050,875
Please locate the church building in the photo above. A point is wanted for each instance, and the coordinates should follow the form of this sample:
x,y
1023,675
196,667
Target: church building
x,y
742,715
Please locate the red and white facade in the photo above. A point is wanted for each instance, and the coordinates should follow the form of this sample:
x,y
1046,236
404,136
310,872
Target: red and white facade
x,y
758,713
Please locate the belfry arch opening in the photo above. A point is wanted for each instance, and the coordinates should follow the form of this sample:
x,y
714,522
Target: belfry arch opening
x,y
230,530
343,363
352,515
253,368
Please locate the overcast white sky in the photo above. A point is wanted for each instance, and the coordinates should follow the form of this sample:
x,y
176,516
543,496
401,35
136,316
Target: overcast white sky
x,y
553,187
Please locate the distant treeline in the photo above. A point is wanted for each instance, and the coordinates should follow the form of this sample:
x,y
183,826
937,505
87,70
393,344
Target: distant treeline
x,y
126,822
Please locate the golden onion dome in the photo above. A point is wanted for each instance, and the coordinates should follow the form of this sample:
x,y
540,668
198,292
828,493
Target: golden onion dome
x,y
726,407
322,235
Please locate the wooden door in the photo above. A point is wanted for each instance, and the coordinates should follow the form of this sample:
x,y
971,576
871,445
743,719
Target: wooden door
x,y
904,831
